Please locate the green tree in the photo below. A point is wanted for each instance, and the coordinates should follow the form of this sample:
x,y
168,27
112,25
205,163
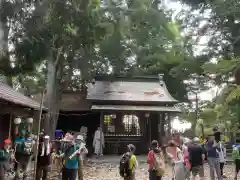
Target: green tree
x,y
64,39
70,41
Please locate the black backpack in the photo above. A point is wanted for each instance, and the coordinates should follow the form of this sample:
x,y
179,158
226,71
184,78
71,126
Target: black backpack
x,y
28,146
124,165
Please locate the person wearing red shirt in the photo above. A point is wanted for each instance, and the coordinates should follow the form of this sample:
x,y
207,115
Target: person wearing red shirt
x,y
155,151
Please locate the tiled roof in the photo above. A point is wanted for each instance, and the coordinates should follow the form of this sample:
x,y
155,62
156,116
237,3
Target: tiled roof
x,y
141,91
135,108
12,96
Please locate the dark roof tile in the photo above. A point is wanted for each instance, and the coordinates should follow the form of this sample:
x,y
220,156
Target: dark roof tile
x,y
129,91
12,96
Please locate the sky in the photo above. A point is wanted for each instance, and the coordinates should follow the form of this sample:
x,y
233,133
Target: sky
x,y
205,95
177,7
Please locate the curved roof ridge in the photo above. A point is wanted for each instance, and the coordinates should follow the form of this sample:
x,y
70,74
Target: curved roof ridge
x,y
120,90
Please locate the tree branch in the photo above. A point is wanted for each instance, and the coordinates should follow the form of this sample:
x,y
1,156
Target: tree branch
x,y
59,52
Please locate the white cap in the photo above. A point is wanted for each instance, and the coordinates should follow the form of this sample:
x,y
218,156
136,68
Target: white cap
x,y
196,140
80,137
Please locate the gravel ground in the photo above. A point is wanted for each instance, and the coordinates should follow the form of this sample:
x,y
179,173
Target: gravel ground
x,y
110,172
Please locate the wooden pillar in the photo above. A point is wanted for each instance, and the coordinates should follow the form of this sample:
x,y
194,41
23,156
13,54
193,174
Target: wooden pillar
x,y
161,128
10,127
101,132
150,129
169,125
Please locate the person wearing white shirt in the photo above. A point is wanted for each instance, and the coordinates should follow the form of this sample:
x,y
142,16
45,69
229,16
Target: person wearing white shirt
x,y
222,156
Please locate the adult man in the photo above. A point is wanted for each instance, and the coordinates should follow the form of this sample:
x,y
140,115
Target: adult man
x,y
128,163
212,148
44,158
98,142
4,158
196,158
83,151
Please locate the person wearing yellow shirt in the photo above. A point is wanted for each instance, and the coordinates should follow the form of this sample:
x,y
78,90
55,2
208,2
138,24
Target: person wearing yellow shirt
x,y
132,163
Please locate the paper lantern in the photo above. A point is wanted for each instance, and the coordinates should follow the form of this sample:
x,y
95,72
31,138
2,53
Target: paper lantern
x,y
17,121
113,116
29,120
147,115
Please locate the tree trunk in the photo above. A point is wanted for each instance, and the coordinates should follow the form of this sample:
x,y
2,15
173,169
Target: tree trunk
x,y
50,87
54,76
4,49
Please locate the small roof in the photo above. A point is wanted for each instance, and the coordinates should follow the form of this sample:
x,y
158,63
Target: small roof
x,y
135,108
10,95
132,90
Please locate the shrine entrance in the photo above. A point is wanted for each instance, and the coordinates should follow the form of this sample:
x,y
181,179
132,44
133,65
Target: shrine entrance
x,y
131,110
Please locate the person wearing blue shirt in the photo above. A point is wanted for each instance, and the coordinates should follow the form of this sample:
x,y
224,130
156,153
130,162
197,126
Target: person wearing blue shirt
x,y
18,148
23,153
70,166
212,157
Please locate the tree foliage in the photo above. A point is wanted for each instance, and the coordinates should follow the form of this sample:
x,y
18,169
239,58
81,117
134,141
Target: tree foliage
x,y
61,45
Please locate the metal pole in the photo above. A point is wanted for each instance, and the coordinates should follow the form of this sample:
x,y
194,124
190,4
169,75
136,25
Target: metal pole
x,y
38,133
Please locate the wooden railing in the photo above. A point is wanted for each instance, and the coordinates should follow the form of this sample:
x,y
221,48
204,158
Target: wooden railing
x,y
118,144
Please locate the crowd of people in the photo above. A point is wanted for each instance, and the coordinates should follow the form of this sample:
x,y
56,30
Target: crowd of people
x,y
67,153
186,159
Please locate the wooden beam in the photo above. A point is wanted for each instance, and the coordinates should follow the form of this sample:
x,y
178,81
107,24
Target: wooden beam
x,y
15,111
101,133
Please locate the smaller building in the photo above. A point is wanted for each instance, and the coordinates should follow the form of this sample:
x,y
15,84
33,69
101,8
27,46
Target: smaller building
x,y
13,104
129,110
133,110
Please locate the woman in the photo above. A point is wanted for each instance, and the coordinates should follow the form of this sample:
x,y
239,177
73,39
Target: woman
x,y
177,160
186,143
222,157
156,165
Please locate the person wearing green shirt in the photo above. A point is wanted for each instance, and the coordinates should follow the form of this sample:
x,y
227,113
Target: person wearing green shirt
x,y
4,158
70,165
